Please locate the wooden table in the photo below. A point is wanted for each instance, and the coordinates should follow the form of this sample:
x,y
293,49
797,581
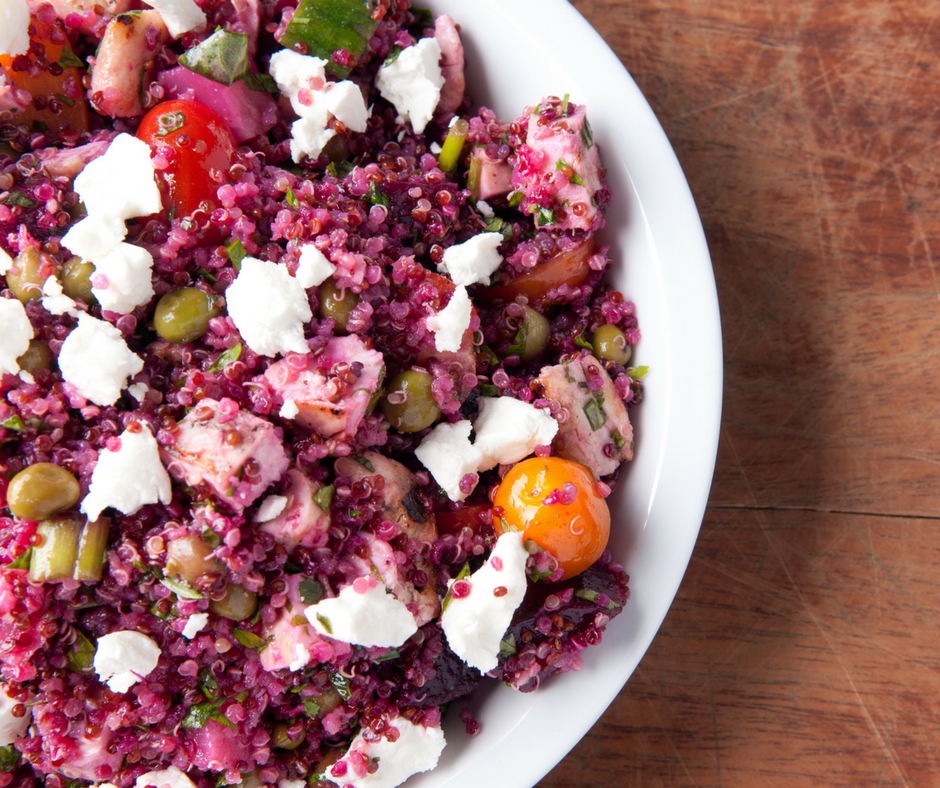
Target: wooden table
x,y
803,648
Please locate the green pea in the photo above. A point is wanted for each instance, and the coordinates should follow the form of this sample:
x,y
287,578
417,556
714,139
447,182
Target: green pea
x,y
24,278
238,603
409,404
537,333
282,740
76,280
37,356
42,490
183,315
610,344
335,304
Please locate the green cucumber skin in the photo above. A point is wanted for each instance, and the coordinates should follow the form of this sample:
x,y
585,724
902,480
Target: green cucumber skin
x,y
324,26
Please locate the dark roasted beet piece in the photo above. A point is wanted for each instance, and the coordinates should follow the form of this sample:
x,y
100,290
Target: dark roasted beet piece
x,y
557,621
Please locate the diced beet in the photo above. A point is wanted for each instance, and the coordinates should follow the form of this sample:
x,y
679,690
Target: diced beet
x,y
219,748
230,452
495,178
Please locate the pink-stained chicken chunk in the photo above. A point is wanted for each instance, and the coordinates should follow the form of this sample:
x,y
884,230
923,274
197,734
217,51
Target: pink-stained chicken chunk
x,y
229,452
330,392
597,432
302,522
448,39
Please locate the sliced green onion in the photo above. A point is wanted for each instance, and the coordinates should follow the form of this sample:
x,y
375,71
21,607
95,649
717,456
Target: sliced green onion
x,y
92,549
453,145
55,559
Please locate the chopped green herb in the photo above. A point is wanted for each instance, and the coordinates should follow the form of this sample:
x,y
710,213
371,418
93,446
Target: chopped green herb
x,y
564,106
224,58
365,464
488,390
574,177
311,707
262,83
507,646
200,715
291,198
210,278
375,196
324,497
180,588
22,561
591,596
497,225
310,591
208,684
340,169
248,639
14,423
230,356
618,439
515,199
340,684
9,758
580,341
491,357
518,342
638,373
544,217
325,26
392,653
68,59
587,135
299,621
82,654
596,416
18,198
325,623
65,99
236,253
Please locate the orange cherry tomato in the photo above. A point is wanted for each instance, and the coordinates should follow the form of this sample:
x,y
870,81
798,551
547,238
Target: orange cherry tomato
x,y
201,148
556,504
569,268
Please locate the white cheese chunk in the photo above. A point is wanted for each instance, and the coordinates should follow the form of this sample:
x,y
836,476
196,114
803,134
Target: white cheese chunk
x,y
179,16
138,391
301,657
451,322
476,623
288,783
16,331
289,410
128,478
124,658
473,261
55,301
122,278
447,453
413,82
14,27
269,308
508,429
6,262
417,749
270,508
302,78
195,624
11,727
95,235
485,209
95,359
171,776
363,614
313,268
121,181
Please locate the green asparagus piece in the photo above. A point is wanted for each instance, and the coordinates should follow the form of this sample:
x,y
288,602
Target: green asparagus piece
x,y
54,559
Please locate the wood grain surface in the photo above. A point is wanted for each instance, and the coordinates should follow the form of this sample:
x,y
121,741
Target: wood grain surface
x,y
803,647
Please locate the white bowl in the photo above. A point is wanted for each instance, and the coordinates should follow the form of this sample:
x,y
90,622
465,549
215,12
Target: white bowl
x,y
517,52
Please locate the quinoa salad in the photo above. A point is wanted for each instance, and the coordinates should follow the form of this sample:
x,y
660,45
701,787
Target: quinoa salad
x,y
312,393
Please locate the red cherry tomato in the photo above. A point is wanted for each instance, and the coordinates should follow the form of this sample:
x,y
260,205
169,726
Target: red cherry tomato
x,y
556,504
199,147
569,268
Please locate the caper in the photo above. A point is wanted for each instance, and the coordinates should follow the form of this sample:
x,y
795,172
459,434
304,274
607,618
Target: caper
x,y
610,344
336,304
37,356
42,490
537,332
409,404
27,275
238,603
281,739
189,557
76,280
183,315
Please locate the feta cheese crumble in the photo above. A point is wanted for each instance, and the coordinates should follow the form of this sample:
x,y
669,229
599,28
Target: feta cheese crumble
x,y
16,331
95,359
269,308
476,623
179,16
301,657
55,301
14,27
302,78
95,236
485,209
413,82
195,624
447,453
452,321
289,410
124,658
417,749
270,508
363,614
473,261
11,727
313,268
121,181
128,478
121,280
6,262
508,430
138,391
171,776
